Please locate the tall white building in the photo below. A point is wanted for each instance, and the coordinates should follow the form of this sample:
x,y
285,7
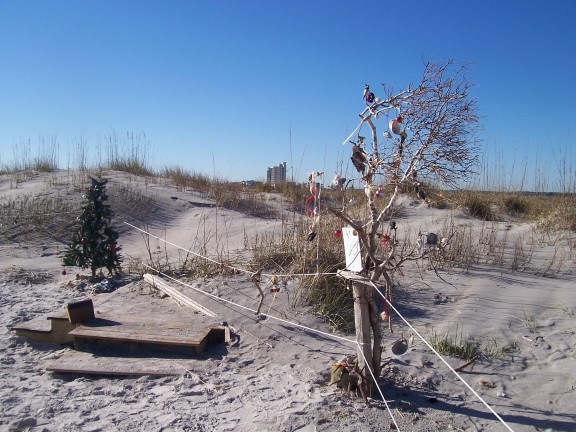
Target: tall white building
x,y
276,174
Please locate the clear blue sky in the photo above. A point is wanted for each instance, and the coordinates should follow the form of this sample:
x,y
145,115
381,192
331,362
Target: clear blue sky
x,y
216,86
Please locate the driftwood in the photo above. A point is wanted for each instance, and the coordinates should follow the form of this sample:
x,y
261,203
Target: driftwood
x,y
177,295
256,279
465,365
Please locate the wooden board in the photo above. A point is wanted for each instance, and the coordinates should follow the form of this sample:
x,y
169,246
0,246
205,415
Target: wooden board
x,y
43,330
159,283
38,324
85,363
143,332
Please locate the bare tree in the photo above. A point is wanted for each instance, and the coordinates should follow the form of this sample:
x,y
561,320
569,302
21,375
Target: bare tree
x,y
432,135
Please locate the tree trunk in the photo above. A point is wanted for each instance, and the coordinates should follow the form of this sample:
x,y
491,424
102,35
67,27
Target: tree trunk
x,y
362,313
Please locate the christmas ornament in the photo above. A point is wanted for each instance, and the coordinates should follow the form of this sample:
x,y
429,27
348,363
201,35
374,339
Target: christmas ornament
x,y
432,239
338,233
421,194
400,347
63,272
395,126
368,96
338,181
359,158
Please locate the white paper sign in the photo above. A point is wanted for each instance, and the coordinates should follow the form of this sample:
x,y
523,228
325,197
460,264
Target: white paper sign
x,y
352,249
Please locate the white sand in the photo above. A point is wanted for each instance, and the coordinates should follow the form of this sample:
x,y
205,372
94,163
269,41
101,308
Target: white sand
x,y
274,375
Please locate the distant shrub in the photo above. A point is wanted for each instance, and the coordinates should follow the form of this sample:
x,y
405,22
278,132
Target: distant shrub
x,y
479,206
516,205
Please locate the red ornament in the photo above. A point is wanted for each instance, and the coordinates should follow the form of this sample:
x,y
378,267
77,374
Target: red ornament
x,y
394,125
385,239
338,233
274,289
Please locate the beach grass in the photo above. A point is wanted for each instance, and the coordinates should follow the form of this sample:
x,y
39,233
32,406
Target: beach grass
x,y
549,216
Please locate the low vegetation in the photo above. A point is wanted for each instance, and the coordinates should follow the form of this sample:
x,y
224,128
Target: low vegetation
x,y
550,216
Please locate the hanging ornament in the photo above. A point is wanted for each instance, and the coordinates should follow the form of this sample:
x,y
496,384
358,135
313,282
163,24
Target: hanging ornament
x,y
395,126
338,181
309,206
380,191
368,96
385,238
274,281
403,136
359,158
84,241
338,233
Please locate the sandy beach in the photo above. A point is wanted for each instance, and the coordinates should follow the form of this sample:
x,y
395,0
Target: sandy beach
x,y
274,373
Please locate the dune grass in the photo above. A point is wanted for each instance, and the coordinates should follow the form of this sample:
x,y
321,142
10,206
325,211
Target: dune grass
x,y
549,215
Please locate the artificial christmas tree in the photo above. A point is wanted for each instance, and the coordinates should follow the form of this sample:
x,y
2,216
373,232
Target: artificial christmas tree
x,y
94,244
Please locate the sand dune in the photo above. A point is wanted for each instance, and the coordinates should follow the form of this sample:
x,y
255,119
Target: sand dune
x,y
274,374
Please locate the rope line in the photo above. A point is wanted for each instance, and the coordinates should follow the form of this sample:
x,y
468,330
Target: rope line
x,y
377,386
241,270
329,335
444,361
215,297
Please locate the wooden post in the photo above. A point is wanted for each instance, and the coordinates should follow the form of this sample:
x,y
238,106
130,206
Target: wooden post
x,y
367,323
361,293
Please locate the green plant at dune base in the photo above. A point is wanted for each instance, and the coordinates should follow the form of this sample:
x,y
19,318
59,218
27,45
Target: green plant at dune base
x,y
457,346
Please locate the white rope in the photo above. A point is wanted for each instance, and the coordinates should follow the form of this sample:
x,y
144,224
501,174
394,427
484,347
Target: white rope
x,y
241,270
442,358
215,297
355,342
377,386
353,132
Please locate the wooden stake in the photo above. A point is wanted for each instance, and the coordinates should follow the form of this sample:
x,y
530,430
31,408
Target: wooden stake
x,y
362,293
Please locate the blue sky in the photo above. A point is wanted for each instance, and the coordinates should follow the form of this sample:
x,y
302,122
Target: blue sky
x,y
216,86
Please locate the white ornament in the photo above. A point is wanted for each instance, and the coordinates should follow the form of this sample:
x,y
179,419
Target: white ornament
x,y
395,126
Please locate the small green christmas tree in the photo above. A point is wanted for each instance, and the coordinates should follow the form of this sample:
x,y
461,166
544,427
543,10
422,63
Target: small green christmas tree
x,y
94,244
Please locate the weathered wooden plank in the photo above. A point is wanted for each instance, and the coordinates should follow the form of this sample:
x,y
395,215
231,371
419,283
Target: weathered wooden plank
x,y
42,330
354,277
134,332
78,362
38,324
177,295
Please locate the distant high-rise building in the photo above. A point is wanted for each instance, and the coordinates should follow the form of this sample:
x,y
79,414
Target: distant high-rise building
x,y
276,174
